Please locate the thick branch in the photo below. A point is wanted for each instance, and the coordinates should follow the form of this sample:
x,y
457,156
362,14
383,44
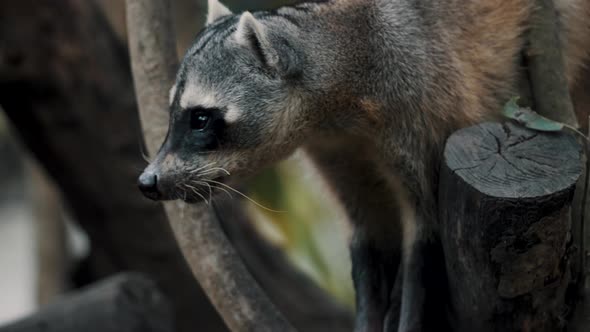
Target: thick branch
x,y
127,302
547,66
235,294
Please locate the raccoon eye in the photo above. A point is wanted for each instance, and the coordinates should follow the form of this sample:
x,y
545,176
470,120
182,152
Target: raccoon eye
x,y
200,119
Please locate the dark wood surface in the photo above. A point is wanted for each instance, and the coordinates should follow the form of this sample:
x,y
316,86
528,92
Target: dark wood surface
x,y
505,195
126,302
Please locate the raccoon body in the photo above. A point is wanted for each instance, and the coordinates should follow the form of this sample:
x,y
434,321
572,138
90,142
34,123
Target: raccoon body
x,y
370,89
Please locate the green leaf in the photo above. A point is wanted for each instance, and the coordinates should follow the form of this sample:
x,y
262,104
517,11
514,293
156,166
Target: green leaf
x,y
529,118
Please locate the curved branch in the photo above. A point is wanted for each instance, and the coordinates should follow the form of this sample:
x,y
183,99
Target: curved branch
x,y
214,262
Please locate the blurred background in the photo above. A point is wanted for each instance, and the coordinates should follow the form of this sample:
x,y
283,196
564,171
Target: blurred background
x,y
45,253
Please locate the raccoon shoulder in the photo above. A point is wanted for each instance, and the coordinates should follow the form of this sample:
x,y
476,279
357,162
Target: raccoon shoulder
x,y
489,36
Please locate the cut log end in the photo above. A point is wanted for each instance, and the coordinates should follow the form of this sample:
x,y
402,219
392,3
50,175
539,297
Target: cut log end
x,y
504,208
506,160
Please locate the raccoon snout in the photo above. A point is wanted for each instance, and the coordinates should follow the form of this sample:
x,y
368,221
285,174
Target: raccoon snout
x,y
148,184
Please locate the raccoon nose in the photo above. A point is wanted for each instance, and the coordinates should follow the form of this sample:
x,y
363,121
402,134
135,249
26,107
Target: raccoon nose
x,y
148,184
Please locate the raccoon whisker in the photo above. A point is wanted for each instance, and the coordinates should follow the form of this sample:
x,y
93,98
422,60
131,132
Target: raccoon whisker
x,y
202,167
214,169
198,174
245,196
189,186
222,189
211,185
203,197
208,185
196,191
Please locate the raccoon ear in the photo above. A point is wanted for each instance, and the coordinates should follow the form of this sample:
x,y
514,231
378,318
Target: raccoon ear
x,y
216,10
252,34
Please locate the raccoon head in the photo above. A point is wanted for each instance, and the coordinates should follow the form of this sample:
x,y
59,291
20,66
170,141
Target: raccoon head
x,y
236,107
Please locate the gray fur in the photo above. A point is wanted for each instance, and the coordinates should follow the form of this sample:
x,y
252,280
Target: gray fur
x,y
370,89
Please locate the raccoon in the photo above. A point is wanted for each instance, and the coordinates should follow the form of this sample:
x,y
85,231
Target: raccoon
x,y
369,90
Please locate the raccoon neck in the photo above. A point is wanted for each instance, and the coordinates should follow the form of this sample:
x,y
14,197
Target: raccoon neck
x,y
362,61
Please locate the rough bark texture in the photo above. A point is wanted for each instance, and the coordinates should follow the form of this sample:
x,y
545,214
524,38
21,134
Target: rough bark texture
x,y
505,195
127,302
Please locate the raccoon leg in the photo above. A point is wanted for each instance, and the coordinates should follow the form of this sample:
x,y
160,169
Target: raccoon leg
x,y
423,284
375,213
411,313
374,272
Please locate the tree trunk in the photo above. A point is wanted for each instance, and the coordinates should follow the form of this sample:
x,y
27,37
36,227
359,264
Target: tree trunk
x,y
505,195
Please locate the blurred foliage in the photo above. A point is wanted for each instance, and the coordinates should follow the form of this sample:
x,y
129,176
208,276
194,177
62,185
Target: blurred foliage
x,y
311,228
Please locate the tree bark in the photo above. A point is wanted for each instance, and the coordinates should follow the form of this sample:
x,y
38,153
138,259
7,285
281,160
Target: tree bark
x,y
505,195
127,302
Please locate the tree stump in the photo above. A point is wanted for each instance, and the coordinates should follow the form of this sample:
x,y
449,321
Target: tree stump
x,y
505,195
